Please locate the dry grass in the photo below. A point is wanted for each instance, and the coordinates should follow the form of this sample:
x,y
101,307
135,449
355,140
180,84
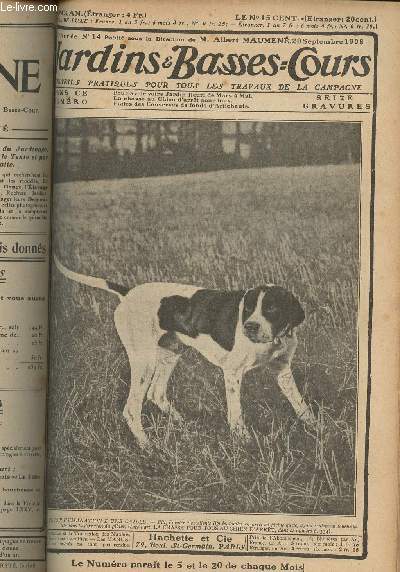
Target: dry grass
x,y
297,227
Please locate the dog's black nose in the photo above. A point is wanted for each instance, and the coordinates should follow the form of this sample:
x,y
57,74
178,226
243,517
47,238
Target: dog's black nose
x,y
252,327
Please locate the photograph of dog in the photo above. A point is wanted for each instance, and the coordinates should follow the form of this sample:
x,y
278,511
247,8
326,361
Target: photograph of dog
x,y
204,316
236,331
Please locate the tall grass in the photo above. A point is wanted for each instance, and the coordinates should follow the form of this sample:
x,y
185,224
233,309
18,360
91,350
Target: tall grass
x,y
297,227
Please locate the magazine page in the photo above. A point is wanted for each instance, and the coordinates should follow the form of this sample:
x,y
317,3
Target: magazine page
x,y
27,39
224,348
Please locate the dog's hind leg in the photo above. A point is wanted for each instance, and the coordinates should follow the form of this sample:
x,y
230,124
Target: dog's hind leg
x,y
165,363
141,352
141,374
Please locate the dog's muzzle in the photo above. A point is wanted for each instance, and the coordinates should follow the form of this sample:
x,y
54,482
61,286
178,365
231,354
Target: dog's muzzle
x,y
253,331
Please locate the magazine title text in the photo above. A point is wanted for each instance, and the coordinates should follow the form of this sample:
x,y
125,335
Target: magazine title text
x,y
186,61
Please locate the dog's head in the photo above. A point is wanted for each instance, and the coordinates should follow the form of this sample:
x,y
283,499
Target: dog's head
x,y
270,312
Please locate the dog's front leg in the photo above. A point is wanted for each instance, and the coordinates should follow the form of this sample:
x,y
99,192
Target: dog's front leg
x,y
233,382
281,366
289,389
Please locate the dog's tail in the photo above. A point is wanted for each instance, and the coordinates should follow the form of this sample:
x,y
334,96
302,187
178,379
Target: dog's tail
x,y
112,287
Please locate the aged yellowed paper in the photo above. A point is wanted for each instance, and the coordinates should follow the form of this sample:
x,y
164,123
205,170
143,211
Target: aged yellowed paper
x,y
26,87
224,325
224,365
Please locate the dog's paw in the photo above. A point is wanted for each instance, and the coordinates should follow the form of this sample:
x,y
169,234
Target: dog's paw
x,y
308,418
137,430
240,430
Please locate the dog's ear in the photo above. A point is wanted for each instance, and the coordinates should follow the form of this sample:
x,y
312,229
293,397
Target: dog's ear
x,y
175,315
297,314
289,310
216,313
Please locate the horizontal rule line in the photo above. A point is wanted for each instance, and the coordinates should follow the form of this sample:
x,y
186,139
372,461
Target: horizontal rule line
x,y
326,112
356,121
13,25
23,259
257,553
23,559
27,129
349,535
24,233
25,138
218,31
19,389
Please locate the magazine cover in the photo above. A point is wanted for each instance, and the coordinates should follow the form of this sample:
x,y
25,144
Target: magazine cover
x,y
219,324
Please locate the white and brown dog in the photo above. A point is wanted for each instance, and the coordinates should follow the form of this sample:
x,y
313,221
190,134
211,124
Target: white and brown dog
x,y
236,331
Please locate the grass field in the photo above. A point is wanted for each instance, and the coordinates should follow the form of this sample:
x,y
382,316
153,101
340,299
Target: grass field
x,y
297,227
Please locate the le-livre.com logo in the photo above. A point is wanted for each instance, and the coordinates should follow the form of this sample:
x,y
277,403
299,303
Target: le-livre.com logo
x,y
25,7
